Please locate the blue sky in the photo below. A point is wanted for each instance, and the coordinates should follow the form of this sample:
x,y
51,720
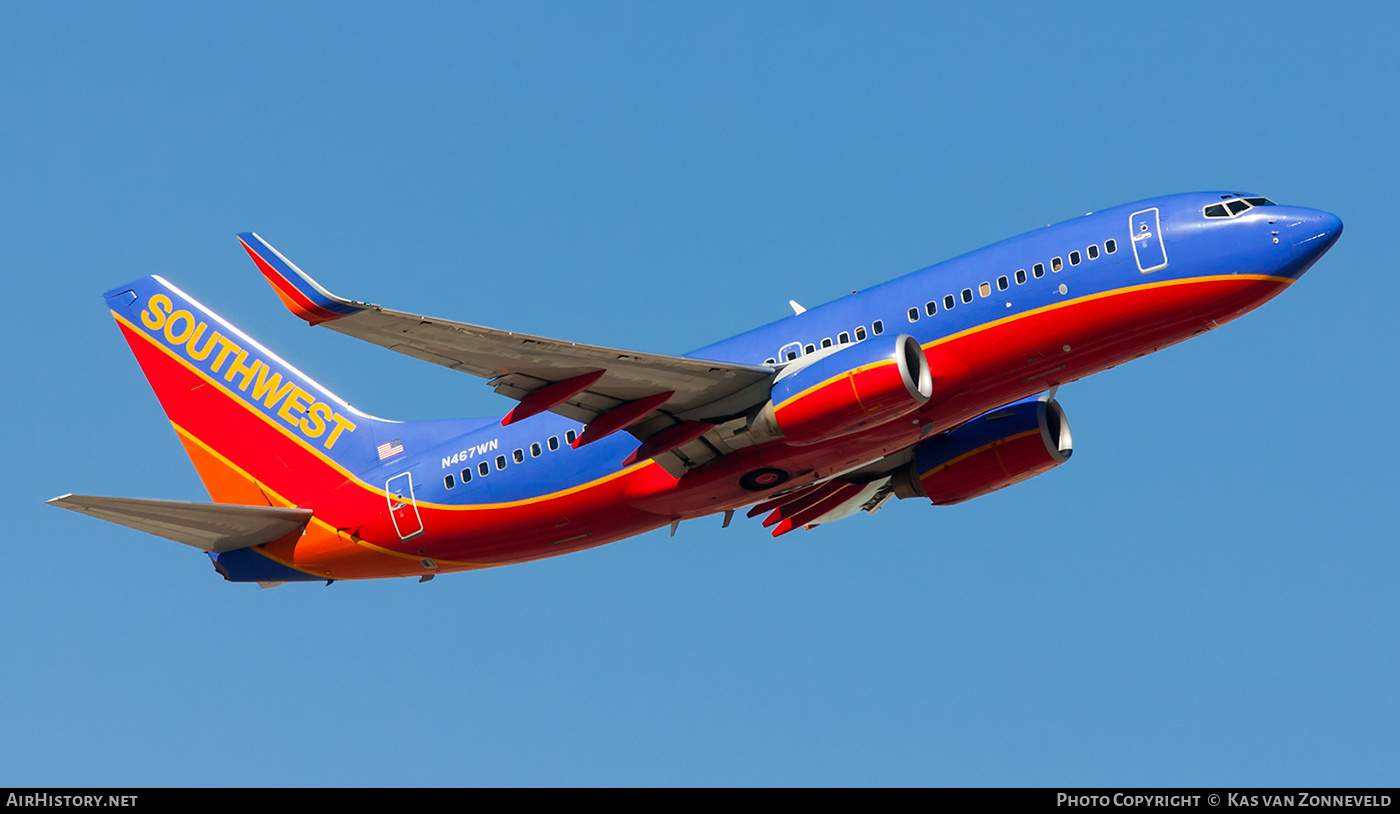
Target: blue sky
x,y
1204,595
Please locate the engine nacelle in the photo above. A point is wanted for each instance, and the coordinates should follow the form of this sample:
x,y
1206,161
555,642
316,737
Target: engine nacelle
x,y
990,452
852,389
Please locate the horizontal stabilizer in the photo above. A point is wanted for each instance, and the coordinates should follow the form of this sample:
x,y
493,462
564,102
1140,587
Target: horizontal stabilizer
x,y
213,527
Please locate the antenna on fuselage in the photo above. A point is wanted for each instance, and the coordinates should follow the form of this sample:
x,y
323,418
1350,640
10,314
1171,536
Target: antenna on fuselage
x,y
796,309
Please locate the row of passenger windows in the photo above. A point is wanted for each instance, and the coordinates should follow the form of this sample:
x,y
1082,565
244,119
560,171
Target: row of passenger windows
x,y
790,352
1003,282
484,468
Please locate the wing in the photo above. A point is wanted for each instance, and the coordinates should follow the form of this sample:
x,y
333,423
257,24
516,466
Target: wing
x,y
673,403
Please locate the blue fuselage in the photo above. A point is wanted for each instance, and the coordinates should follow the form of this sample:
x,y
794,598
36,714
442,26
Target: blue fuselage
x,y
1126,247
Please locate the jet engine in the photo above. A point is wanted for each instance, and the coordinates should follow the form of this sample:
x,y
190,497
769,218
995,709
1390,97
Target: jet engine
x,y
990,452
850,389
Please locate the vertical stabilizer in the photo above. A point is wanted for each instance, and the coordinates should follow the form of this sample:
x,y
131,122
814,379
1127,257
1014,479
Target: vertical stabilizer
x,y
259,431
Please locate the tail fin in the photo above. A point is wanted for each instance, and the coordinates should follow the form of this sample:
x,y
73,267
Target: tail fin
x,y
259,431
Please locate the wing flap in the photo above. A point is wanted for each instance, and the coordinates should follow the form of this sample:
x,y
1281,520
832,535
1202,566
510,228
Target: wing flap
x,y
820,503
212,527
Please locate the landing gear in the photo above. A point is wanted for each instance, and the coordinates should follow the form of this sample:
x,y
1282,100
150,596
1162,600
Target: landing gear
x,y
761,480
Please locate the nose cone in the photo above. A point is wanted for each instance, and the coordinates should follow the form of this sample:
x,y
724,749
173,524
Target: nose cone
x,y
1308,232
1314,233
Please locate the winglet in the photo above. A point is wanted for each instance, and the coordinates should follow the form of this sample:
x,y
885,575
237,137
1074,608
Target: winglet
x,y
302,295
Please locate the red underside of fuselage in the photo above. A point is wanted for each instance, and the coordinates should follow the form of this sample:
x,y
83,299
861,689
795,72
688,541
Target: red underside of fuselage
x,y
353,537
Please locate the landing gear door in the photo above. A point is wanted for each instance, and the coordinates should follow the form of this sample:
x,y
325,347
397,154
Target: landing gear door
x,y
403,506
1148,248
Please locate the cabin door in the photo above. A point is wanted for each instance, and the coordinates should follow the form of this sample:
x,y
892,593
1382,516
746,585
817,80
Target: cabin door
x,y
403,506
1146,227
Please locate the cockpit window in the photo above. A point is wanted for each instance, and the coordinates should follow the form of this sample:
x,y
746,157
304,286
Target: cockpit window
x,y
1235,206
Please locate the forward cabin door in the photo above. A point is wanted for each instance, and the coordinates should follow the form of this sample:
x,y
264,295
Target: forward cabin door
x,y
1146,228
403,506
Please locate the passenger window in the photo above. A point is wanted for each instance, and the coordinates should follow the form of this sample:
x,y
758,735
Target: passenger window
x,y
1020,276
770,361
792,354
931,307
553,443
483,468
843,338
1056,264
913,315
967,295
1038,270
860,333
810,349
449,482
569,437
1110,246
500,462
1003,283
984,289
1093,251
535,450
826,343
467,475
878,326
1074,258
519,456
949,301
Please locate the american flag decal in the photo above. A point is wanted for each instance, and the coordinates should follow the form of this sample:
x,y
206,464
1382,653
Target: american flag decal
x,y
389,449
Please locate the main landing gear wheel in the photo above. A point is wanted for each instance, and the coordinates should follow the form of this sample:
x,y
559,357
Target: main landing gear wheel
x,y
761,480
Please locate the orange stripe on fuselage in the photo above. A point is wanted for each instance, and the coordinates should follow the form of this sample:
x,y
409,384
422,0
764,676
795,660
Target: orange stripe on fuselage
x,y
1116,292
